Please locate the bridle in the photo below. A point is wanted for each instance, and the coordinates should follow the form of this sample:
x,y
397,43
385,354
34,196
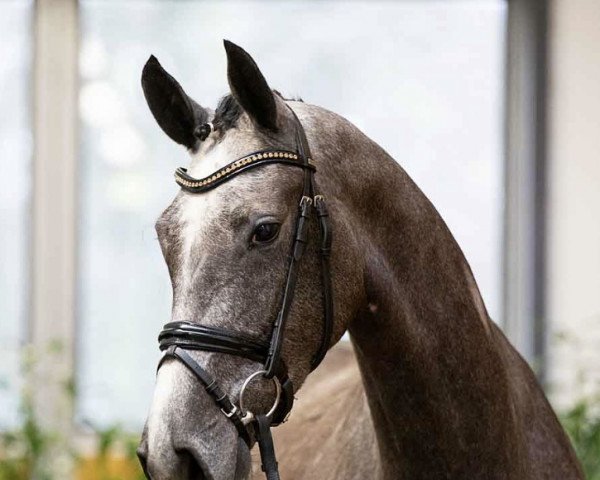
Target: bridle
x,y
177,338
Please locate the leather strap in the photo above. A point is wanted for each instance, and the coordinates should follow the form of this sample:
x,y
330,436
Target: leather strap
x,y
324,253
266,447
212,339
325,235
299,243
189,336
212,388
286,402
248,162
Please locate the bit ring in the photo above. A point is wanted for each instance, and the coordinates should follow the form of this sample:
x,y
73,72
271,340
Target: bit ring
x,y
247,416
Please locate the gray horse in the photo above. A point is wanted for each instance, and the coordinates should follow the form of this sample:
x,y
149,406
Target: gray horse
x,y
446,395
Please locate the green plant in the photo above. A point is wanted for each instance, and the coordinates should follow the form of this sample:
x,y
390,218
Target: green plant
x,y
31,451
130,444
35,451
582,423
581,416
111,440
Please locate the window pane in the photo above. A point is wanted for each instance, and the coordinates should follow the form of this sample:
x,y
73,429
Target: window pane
x,y
430,94
15,184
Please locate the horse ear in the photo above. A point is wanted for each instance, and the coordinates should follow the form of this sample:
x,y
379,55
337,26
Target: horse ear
x,y
177,114
249,87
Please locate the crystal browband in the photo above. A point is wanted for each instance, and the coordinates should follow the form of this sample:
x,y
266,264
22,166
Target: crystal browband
x,y
197,185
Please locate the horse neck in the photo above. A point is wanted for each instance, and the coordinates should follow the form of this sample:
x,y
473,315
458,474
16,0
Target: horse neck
x,y
437,386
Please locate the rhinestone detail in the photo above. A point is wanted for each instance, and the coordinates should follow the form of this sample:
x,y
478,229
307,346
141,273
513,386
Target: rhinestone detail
x,y
229,169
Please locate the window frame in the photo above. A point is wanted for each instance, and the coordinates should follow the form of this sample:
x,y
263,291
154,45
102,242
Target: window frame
x,y
525,217
53,243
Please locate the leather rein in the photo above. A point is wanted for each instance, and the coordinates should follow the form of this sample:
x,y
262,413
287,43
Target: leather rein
x,y
177,338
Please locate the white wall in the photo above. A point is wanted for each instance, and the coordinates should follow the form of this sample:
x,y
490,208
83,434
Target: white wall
x,y
574,197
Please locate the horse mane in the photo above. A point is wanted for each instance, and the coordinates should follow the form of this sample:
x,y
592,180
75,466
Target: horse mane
x,y
229,110
227,113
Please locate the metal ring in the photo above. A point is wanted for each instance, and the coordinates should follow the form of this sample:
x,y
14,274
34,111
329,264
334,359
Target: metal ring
x,y
247,382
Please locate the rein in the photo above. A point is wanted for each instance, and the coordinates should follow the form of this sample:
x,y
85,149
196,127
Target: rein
x,y
177,338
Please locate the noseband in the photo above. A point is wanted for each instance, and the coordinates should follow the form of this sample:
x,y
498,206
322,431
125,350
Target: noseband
x,y
177,338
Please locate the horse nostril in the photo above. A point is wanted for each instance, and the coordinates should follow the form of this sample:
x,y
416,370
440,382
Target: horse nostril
x,y
189,463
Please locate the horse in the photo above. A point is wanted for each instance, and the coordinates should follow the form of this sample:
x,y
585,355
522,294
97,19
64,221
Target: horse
x,y
438,391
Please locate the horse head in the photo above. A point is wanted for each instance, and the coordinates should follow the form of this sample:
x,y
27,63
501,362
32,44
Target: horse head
x,y
228,250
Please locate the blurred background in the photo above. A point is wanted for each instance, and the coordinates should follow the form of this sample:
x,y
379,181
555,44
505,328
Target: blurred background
x,y
492,106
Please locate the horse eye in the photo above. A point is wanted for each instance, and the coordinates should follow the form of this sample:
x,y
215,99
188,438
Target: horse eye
x,y
265,232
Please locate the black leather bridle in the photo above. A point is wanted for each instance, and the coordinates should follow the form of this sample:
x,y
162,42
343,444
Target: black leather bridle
x,y
177,338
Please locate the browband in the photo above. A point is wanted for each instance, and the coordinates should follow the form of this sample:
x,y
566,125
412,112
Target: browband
x,y
198,185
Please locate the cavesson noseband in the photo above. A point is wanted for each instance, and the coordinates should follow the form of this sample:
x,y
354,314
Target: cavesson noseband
x,y
178,337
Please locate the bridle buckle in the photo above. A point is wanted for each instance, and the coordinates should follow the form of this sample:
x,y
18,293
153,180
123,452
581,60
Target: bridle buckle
x,y
234,411
306,201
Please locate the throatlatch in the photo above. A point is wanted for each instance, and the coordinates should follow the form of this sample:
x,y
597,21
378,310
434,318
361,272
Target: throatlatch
x,y
178,337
